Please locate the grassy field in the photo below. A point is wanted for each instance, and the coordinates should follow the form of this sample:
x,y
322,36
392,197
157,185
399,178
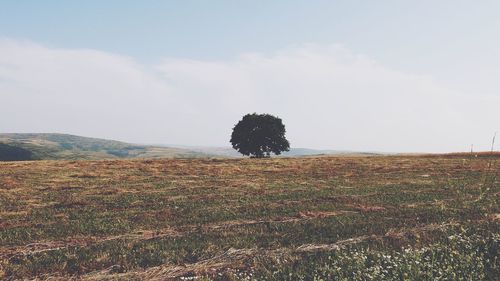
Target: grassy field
x,y
324,218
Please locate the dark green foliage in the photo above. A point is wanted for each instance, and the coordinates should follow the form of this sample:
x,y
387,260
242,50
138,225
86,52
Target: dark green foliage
x,y
259,135
12,153
118,153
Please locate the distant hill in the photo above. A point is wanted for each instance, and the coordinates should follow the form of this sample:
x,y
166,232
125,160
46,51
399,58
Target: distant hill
x,y
15,147
14,153
294,152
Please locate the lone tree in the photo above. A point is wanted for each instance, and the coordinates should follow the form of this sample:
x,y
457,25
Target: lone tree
x,y
258,135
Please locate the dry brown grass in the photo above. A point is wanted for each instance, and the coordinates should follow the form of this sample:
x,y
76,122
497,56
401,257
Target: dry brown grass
x,y
167,218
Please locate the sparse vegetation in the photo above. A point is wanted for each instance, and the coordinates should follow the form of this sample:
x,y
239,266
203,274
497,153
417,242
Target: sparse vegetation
x,y
380,218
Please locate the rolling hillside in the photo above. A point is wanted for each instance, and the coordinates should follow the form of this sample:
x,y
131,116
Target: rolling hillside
x,y
61,146
18,147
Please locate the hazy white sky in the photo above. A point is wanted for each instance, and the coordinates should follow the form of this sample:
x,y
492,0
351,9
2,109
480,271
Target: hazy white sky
x,y
349,75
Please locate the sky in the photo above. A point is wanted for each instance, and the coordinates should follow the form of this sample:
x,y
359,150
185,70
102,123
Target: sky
x,y
388,76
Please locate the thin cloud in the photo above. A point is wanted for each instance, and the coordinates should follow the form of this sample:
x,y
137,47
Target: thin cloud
x,y
328,97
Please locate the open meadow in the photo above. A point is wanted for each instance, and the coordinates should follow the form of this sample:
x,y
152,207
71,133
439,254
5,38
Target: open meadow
x,y
323,218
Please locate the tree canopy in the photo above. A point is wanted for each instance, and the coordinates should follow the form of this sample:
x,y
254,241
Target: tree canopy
x,y
259,135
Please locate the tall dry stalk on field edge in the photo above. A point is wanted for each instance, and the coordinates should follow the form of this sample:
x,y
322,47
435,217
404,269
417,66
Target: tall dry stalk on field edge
x,y
490,174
